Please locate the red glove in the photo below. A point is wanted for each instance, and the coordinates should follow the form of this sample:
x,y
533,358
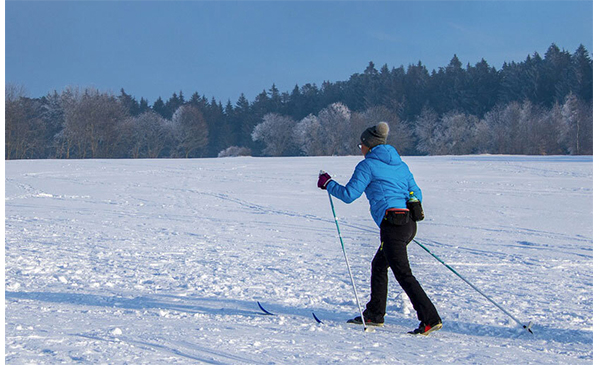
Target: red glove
x,y
324,179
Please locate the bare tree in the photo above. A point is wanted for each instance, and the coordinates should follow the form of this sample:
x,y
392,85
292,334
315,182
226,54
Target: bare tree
x,y
92,122
23,126
15,119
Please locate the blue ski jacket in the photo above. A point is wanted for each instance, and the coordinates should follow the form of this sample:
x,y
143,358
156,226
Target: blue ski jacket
x,y
383,177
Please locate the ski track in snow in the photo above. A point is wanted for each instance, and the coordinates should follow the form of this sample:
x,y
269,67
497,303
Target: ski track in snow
x,y
163,261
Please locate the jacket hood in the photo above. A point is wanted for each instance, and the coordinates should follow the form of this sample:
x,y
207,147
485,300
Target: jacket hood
x,y
385,153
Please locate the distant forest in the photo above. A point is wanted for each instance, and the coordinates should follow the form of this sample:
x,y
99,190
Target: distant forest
x,y
542,105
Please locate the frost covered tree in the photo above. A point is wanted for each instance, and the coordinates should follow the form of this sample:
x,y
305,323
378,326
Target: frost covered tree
x,y
335,132
328,133
524,128
67,138
458,133
538,130
453,133
189,131
275,132
53,115
576,126
508,129
307,136
428,132
146,135
235,151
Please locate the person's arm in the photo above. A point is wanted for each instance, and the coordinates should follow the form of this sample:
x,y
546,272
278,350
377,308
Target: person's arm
x,y
355,187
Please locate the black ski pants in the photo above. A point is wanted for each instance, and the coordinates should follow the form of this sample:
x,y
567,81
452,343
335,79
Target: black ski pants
x,y
393,254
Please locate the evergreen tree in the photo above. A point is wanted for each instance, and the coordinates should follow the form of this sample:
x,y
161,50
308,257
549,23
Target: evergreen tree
x,y
160,108
144,106
131,106
294,107
555,84
510,83
417,89
482,88
276,104
331,93
396,98
583,75
218,128
311,101
372,86
242,125
174,103
531,79
448,88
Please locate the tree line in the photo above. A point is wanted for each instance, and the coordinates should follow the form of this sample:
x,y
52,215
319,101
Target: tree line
x,y
542,105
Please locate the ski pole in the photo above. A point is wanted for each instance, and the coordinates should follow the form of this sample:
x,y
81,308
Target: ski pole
x,y
347,264
526,327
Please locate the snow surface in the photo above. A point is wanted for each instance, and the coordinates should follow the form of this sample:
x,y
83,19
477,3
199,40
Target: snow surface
x,y
163,261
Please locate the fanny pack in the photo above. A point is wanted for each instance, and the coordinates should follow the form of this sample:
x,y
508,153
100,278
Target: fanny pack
x,y
397,217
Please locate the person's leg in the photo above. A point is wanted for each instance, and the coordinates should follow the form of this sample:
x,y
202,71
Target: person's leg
x,y
379,286
395,239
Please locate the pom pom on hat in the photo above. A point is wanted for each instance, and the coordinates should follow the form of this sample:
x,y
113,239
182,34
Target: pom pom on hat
x,y
383,129
375,135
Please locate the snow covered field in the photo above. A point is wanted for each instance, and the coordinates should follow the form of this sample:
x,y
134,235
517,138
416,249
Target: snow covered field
x,y
163,261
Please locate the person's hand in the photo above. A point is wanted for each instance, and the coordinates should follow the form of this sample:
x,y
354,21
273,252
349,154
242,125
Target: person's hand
x,y
324,179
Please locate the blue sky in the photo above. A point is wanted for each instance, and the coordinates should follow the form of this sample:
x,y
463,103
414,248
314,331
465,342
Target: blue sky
x,y
223,49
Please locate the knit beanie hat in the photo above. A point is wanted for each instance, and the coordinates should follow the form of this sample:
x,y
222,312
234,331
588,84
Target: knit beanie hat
x,y
375,135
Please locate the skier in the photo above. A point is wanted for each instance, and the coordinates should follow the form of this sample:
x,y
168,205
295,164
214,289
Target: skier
x,y
387,182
